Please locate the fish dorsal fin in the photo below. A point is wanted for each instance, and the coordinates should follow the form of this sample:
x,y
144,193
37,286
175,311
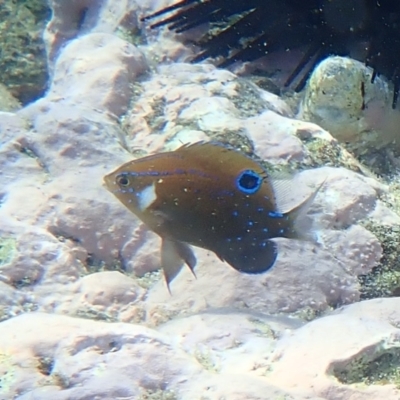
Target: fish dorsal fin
x,y
213,147
202,144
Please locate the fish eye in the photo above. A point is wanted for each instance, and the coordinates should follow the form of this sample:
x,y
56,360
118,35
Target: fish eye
x,y
248,181
122,180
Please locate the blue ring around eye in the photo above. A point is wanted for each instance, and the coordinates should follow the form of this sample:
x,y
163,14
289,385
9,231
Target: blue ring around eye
x,y
248,181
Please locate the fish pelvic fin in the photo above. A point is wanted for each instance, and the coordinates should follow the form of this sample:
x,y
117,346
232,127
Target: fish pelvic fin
x,y
174,255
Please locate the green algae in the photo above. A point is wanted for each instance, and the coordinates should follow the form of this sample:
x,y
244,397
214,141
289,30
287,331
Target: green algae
x,y
206,358
308,313
263,329
8,248
161,314
95,314
157,395
235,139
248,100
7,312
23,67
380,366
94,265
149,279
7,372
131,35
323,152
384,279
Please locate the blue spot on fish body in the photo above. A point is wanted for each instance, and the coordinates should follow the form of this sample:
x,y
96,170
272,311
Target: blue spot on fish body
x,y
275,214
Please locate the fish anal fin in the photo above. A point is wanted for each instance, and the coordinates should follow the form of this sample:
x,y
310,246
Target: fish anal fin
x,y
251,259
173,255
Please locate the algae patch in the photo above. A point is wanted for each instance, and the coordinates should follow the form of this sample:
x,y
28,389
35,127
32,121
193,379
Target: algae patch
x,y
7,376
23,58
8,248
206,358
157,395
262,328
384,279
322,152
382,367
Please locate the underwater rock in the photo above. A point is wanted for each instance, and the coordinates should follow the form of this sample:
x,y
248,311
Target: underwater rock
x,y
78,18
340,97
67,246
337,351
71,353
108,292
52,356
87,61
77,145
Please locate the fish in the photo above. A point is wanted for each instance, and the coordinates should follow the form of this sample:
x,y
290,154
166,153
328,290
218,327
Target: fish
x,y
211,196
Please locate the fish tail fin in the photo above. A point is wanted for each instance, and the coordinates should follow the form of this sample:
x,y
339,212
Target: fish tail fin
x,y
173,255
303,227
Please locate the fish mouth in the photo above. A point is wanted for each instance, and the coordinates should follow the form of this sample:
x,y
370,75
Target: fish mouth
x,y
107,182
110,185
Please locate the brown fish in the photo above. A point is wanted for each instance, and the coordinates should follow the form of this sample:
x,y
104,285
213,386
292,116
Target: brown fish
x,y
210,196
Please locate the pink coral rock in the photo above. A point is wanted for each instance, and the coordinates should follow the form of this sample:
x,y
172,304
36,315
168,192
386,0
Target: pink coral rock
x,y
70,252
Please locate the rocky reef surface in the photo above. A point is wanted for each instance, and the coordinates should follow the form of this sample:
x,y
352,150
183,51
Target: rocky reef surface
x,y
84,311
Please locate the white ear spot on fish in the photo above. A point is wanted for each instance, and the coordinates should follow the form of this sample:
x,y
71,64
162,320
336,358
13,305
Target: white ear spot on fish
x,y
146,197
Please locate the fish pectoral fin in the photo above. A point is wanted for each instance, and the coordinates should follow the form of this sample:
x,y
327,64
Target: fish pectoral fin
x,y
252,259
173,255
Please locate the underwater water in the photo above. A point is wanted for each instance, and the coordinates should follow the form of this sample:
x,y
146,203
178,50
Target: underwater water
x,y
180,227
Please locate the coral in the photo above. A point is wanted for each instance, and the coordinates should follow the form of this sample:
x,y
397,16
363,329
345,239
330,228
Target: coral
x,y
23,60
